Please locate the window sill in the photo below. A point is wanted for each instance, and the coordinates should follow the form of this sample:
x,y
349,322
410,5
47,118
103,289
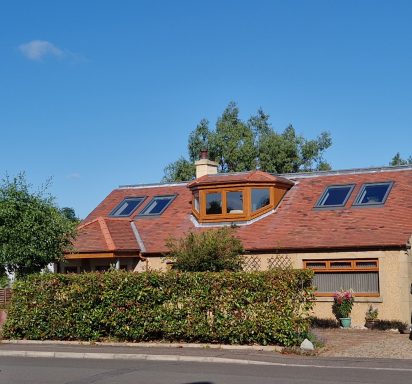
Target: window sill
x,y
358,299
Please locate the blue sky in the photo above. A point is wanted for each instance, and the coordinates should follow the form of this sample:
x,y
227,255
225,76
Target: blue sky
x,y
100,93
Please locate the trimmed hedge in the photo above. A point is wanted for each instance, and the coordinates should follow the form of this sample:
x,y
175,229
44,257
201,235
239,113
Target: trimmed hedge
x,y
227,307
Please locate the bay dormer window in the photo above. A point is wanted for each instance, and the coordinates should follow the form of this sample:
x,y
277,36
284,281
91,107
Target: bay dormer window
x,y
236,197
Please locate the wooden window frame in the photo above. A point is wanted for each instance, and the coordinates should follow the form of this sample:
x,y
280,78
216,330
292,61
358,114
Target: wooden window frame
x,y
353,268
275,195
224,215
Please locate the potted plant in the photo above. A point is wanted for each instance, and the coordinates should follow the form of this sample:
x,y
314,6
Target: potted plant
x,y
371,316
342,306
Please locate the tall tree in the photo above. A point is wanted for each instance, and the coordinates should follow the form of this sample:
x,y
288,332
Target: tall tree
x,y
398,160
70,214
239,146
33,231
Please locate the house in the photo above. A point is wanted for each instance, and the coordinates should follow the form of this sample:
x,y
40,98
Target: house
x,y
353,228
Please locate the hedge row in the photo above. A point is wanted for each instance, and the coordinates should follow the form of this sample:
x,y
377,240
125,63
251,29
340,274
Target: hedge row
x,y
241,308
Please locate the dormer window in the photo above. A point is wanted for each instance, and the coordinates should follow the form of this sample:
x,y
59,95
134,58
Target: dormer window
x,y
213,203
236,198
260,198
234,202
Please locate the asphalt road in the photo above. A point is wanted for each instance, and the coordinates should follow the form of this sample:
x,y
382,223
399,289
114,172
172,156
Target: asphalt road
x,y
25,370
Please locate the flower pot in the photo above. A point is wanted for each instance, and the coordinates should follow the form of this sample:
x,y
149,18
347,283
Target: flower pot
x,y
370,324
345,321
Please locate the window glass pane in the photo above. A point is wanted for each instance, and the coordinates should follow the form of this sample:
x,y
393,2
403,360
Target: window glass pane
x,y
373,194
366,264
260,198
157,205
127,206
196,201
335,196
364,282
213,203
340,264
316,265
234,202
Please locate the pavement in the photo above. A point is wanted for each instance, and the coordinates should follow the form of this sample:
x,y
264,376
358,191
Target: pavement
x,y
340,346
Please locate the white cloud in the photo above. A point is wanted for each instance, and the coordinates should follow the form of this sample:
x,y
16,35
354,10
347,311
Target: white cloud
x,y
37,50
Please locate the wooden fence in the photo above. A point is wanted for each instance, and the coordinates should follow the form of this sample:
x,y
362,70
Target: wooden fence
x,y
5,296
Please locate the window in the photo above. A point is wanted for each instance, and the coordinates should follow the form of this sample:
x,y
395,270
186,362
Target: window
x,y
127,206
373,194
335,196
234,202
196,201
361,275
260,198
213,203
157,205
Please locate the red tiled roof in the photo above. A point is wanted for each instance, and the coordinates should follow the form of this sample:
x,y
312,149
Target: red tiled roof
x,y
294,225
243,177
105,235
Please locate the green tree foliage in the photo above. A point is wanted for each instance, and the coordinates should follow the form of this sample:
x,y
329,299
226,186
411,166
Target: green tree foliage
x,y
33,231
180,170
4,280
214,250
398,160
239,145
70,214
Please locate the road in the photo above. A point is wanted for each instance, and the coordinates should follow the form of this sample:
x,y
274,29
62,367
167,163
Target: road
x,y
26,370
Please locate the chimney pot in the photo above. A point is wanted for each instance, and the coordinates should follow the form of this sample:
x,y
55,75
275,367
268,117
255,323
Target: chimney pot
x,y
204,154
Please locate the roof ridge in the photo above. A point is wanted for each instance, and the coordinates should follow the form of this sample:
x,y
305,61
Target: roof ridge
x,y
106,233
80,226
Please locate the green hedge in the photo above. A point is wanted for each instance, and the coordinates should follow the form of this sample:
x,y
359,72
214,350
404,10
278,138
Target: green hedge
x,y
227,307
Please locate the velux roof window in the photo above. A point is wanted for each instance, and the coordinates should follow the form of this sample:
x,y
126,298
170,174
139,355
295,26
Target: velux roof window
x,y
373,194
157,205
127,206
335,196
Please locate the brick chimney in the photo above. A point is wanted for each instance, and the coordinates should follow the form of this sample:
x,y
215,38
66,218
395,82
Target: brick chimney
x,y
204,166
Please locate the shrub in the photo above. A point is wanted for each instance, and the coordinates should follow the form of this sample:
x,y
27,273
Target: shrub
x,y
214,250
228,307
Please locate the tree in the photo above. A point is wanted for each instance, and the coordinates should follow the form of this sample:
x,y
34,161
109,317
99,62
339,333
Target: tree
x,y
70,214
33,231
180,170
214,250
239,146
398,160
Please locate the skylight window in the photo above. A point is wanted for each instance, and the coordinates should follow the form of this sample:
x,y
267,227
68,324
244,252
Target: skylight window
x,y
157,205
373,194
335,196
127,206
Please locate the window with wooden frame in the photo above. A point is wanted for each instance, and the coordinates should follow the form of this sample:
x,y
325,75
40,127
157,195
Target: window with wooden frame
x,y
234,203
360,275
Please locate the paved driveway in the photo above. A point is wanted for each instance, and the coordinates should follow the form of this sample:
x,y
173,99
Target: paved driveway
x,y
364,343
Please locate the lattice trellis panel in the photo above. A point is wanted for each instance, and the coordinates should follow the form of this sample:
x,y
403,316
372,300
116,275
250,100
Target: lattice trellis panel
x,y
251,263
280,261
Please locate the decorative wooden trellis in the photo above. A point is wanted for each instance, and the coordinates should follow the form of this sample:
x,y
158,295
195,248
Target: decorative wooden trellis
x,y
5,296
251,263
280,261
